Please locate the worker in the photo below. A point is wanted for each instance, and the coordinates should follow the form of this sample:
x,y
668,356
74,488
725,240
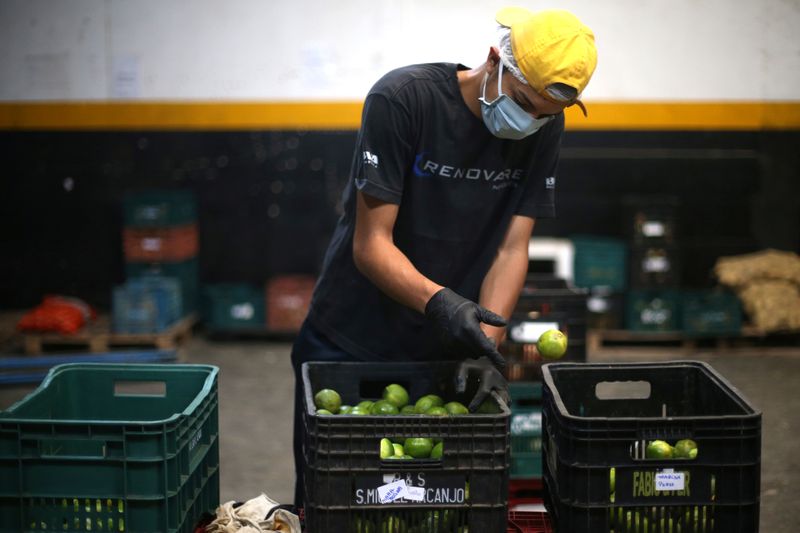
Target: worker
x,y
452,166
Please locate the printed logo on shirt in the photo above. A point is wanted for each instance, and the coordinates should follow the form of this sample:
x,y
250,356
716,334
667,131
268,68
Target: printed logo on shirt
x,y
370,159
499,178
550,183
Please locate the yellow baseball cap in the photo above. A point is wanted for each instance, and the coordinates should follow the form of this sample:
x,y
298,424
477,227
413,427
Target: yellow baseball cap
x,y
551,46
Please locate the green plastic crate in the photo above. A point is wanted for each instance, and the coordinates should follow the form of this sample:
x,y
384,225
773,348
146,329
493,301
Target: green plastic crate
x,y
712,311
526,429
600,262
186,272
653,310
112,447
159,208
232,307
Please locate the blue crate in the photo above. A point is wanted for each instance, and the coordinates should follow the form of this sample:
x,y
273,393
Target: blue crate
x,y
185,271
148,304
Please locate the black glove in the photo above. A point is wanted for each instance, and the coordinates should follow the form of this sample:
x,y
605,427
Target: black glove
x,y
458,323
490,380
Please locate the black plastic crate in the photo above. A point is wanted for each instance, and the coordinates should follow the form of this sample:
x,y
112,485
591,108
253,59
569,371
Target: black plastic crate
x,y
599,417
343,465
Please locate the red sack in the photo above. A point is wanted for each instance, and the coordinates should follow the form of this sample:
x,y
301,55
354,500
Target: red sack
x,y
58,314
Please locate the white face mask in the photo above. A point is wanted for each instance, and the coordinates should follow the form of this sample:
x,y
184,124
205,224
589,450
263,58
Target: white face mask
x,y
504,117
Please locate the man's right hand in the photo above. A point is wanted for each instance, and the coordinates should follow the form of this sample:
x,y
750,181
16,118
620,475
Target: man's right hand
x,y
457,321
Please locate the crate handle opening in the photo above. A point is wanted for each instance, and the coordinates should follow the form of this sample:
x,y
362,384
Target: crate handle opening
x,y
140,388
623,390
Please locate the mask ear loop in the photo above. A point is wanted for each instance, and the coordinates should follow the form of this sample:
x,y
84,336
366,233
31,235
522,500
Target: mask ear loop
x,y
499,87
500,79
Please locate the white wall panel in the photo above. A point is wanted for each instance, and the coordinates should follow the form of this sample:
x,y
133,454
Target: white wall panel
x,y
718,50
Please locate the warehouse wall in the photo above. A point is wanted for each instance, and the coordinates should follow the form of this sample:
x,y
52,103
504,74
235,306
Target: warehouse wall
x,y
313,49
254,107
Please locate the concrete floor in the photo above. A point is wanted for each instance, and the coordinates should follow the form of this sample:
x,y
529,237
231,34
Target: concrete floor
x,y
256,385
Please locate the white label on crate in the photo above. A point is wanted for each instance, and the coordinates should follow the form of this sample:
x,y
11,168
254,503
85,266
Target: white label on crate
x,y
529,332
656,264
151,244
653,229
415,494
392,491
526,423
597,304
243,311
669,480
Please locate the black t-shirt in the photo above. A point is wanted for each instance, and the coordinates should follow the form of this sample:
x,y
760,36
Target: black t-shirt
x,y
457,187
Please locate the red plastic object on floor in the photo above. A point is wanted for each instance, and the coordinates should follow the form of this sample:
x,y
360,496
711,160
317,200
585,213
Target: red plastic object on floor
x,y
524,491
528,522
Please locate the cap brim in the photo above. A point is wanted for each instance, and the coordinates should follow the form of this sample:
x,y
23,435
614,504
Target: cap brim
x,y
508,16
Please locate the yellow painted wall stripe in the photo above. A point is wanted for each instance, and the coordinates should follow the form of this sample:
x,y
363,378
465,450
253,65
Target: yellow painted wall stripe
x,y
347,115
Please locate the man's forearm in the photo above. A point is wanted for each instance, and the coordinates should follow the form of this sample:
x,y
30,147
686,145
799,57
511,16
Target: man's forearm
x,y
503,283
501,287
394,274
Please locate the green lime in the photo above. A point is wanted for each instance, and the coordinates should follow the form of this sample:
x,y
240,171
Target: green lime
x,y
358,411
488,407
408,410
552,344
612,479
383,407
387,450
323,412
345,409
393,524
366,404
437,411
686,449
426,402
328,399
398,449
658,449
418,447
456,408
363,525
396,394
437,451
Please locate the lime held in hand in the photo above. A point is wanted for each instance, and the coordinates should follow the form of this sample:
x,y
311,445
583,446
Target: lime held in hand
x,y
552,344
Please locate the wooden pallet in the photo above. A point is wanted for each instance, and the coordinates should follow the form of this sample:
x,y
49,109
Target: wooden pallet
x,y
601,339
98,337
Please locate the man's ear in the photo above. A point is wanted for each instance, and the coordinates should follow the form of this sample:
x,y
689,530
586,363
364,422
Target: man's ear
x,y
493,59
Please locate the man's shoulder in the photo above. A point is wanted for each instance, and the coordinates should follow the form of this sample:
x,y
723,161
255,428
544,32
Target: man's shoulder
x,y
396,81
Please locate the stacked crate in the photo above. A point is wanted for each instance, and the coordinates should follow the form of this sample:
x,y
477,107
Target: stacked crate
x,y
160,242
233,307
653,301
287,298
601,267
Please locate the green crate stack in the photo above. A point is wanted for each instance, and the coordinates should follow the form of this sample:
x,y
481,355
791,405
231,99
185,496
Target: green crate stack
x,y
600,262
112,447
653,310
600,265
526,429
711,311
159,208
233,307
165,208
